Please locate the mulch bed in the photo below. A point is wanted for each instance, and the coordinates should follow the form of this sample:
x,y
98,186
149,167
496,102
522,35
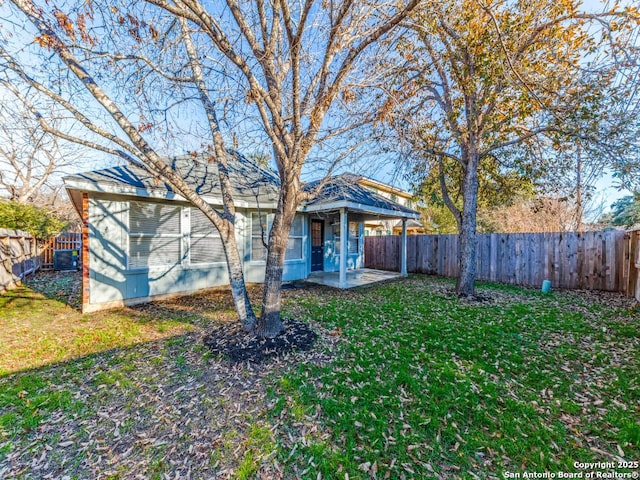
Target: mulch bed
x,y
233,343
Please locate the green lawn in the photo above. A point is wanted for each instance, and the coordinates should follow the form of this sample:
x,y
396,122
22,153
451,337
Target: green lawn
x,y
40,324
423,385
406,382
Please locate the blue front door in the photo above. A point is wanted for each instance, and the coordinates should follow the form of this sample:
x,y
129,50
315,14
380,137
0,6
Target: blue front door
x,y
317,245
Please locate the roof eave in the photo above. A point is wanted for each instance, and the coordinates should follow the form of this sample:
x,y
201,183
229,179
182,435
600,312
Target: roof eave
x,y
73,183
359,207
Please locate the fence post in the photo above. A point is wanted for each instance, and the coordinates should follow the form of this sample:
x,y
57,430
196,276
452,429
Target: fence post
x,y
632,272
403,249
7,265
21,258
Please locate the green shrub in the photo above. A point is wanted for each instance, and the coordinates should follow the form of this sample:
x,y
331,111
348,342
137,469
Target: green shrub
x,y
29,218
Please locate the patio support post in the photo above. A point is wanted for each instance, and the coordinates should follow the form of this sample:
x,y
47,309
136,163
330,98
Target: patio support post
x,y
403,249
344,247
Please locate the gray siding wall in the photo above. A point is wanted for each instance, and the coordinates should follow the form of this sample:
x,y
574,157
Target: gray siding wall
x,y
107,248
112,281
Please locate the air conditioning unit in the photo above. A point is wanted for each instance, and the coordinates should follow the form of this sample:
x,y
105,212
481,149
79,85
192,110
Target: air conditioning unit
x,y
66,260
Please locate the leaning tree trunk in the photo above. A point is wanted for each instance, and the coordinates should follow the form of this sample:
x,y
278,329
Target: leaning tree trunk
x,y
467,255
236,281
269,324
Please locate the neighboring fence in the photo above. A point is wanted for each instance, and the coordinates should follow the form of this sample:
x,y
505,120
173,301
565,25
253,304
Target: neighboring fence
x,y
64,241
633,275
590,260
19,256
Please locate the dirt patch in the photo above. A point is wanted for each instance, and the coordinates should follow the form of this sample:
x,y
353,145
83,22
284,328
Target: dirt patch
x,y
232,342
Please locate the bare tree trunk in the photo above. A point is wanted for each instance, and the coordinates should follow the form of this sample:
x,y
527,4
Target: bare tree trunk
x,y
236,281
467,256
234,263
269,324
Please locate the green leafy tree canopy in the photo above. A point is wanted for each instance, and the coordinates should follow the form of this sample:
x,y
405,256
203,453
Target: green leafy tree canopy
x,y
29,218
626,211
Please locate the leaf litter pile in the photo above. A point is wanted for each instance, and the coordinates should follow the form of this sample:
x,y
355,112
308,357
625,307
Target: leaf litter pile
x,y
167,408
232,342
403,381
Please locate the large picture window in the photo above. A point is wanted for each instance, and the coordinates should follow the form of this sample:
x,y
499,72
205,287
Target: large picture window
x,y
295,241
205,244
154,235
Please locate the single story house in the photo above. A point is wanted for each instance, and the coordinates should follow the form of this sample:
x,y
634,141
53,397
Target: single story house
x,y
142,241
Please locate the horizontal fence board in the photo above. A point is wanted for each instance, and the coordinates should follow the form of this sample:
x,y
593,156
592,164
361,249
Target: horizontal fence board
x,y
572,260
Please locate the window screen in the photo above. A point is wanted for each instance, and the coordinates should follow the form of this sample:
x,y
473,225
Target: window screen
x,y
295,241
260,226
354,237
154,234
335,227
205,244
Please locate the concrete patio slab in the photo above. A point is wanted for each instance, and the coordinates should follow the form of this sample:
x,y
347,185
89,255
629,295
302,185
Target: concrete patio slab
x,y
355,278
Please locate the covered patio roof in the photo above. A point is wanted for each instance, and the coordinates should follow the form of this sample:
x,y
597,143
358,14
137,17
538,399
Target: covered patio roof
x,y
344,192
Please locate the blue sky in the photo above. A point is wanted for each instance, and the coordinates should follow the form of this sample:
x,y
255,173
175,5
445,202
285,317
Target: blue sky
x,y
381,167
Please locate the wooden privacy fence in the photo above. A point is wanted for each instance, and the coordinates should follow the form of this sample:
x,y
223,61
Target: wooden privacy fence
x,y
19,256
633,276
64,241
589,260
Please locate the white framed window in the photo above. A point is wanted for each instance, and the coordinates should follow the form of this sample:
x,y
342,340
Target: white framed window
x,y
335,229
354,237
260,226
155,235
296,240
205,244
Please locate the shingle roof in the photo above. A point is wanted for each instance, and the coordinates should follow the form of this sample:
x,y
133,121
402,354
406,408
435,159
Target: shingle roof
x,y
250,182
345,188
